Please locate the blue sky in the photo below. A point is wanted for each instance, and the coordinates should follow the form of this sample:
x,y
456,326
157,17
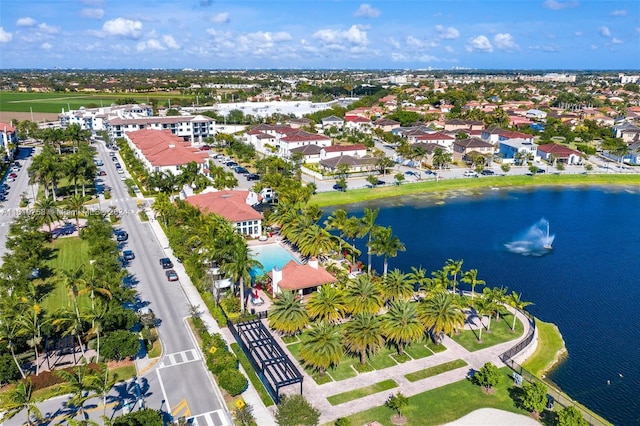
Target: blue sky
x,y
311,34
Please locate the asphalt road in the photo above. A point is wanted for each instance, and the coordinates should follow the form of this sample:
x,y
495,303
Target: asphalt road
x,y
179,383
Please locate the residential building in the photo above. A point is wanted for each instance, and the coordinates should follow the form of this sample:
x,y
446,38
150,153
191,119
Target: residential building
x,y
385,124
509,148
8,140
192,128
361,124
332,121
233,205
554,153
356,151
280,140
495,134
466,149
440,139
462,125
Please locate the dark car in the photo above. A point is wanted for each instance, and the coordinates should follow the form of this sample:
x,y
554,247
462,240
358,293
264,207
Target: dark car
x,y
118,165
113,157
128,255
338,187
172,275
231,164
241,170
410,173
205,148
540,170
166,263
252,176
122,236
487,172
102,173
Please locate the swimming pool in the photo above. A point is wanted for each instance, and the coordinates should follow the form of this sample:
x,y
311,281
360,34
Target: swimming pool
x,y
270,256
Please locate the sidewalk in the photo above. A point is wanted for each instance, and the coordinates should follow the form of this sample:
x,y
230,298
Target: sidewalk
x,y
250,396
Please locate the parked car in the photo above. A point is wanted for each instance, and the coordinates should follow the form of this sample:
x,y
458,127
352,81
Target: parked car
x,y
171,275
113,156
121,236
470,173
338,187
13,175
252,176
102,173
410,173
241,170
120,170
99,163
231,164
540,170
205,148
166,263
487,172
128,255
118,165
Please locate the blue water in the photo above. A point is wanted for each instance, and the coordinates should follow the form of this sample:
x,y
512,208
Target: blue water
x,y
587,284
270,256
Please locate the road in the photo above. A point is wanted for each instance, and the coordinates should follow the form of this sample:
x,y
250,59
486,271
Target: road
x,y
179,382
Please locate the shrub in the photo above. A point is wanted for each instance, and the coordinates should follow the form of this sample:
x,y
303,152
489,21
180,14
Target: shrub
x,y
570,416
230,304
8,369
221,360
144,417
488,376
296,411
534,397
233,381
119,345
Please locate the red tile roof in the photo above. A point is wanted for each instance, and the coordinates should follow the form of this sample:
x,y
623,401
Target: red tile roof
x,y
7,128
557,150
231,205
356,119
342,148
297,277
434,137
162,148
303,136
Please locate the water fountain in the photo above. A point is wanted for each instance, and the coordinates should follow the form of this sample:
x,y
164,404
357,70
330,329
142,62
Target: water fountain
x,y
535,241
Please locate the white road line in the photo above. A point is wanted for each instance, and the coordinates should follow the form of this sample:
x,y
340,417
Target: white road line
x,y
164,393
210,418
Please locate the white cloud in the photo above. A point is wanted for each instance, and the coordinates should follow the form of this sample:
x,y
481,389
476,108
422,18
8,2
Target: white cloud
x,y
48,29
616,41
151,44
220,18
449,49
92,13
417,43
449,33
5,37
25,22
123,28
578,33
46,46
170,42
393,42
354,35
619,12
545,48
367,11
604,31
265,38
505,42
480,43
558,5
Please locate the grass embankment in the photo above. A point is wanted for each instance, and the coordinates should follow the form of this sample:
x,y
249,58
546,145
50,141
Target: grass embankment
x,y
549,351
445,404
341,398
470,186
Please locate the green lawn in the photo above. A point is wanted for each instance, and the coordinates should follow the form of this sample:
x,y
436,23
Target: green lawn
x,y
68,253
500,333
341,398
435,370
550,347
444,404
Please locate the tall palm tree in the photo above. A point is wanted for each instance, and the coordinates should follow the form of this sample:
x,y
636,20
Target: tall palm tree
x,y
440,280
70,323
337,221
238,266
401,325
323,347
483,306
385,244
515,301
9,332
327,304
96,316
163,208
73,169
75,204
363,296
396,286
49,212
471,277
440,315
93,285
418,277
78,383
18,399
287,314
367,227
498,296
101,384
363,335
314,241
454,267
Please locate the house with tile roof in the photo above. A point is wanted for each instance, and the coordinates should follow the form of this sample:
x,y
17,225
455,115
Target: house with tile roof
x,y
233,205
385,124
303,278
280,140
309,153
361,124
332,121
438,138
162,151
509,148
354,164
495,134
459,124
554,153
356,150
8,137
466,149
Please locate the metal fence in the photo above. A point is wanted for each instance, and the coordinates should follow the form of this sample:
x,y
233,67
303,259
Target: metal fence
x,y
558,397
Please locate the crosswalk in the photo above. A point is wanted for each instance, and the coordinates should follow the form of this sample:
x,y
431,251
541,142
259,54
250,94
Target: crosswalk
x,y
212,418
178,358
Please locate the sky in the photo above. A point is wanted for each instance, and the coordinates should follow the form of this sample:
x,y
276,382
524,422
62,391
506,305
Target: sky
x,y
320,34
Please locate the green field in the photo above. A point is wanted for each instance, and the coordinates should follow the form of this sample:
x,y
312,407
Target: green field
x,y
69,254
56,102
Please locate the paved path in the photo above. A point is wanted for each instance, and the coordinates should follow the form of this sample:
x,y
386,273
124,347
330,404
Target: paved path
x,y
493,417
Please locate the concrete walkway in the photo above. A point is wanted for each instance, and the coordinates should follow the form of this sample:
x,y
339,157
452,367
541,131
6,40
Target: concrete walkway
x,y
317,394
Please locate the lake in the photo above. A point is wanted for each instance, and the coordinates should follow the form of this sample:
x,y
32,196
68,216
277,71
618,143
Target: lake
x,y
587,284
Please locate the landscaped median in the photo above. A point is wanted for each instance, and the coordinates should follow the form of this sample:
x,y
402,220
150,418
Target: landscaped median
x,y
435,370
343,397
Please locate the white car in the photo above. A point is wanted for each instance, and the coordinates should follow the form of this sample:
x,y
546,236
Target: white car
x,y
470,173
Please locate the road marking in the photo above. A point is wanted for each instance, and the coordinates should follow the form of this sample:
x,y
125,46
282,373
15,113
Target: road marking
x,y
178,358
181,409
212,418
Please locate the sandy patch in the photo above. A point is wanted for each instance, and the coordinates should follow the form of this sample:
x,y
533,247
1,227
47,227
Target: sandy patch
x,y
493,417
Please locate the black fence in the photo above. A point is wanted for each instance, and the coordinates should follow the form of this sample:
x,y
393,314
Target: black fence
x,y
522,344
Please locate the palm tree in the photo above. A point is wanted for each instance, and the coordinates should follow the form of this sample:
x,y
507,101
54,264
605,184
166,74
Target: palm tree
x,y
440,280
327,304
367,227
440,315
385,244
498,296
17,399
314,241
418,277
188,173
471,277
323,347
96,316
101,384
338,221
73,169
363,296
287,314
49,212
401,325
163,208
238,266
363,335
75,204
515,301
396,286
9,332
483,306
94,285
78,383
454,267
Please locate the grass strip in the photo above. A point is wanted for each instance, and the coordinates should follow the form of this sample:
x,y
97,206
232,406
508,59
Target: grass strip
x,y
435,370
253,377
341,398
500,332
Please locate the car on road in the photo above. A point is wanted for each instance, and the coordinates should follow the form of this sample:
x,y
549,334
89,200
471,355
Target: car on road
x,y
338,187
470,173
118,165
120,170
172,275
113,156
121,235
410,173
241,170
252,176
205,148
540,170
128,255
166,263
99,163
13,175
231,164
102,173
487,172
